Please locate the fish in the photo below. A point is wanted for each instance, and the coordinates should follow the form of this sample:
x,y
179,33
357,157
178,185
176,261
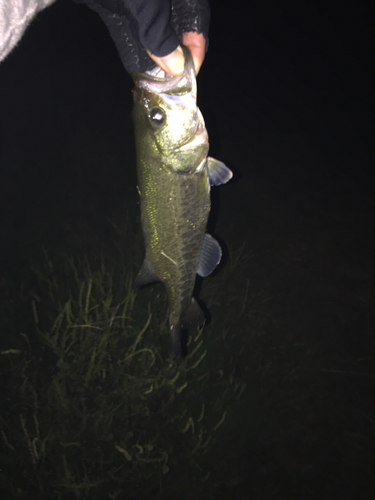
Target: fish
x,y
174,176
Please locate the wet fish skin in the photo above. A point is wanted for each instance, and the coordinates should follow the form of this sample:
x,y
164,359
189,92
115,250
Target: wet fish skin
x,y
174,177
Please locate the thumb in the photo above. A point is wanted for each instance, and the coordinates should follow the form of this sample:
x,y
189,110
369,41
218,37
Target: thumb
x,y
172,63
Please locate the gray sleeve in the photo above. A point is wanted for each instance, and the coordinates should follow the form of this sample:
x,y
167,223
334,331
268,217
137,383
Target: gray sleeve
x,y
15,16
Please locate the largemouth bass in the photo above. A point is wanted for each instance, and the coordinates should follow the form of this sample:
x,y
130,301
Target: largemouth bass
x,y
174,177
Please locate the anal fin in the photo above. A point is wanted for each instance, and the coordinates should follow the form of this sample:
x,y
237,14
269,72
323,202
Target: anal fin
x,y
209,257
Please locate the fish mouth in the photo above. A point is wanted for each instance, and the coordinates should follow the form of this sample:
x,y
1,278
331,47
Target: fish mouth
x,y
159,82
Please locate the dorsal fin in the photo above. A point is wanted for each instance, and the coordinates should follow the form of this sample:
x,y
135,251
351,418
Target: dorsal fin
x,y
146,275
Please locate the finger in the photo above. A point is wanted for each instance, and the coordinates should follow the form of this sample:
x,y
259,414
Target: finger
x,y
172,63
196,43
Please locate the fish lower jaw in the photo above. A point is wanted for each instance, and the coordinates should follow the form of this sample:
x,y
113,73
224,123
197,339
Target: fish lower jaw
x,y
199,139
196,142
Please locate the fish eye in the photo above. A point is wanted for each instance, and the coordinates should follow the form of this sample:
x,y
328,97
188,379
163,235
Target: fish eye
x,y
156,117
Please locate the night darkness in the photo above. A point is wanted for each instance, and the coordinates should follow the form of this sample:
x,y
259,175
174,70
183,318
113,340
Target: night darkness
x,y
287,93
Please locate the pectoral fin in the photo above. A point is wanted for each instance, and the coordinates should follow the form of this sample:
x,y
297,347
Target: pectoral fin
x,y
209,257
218,173
146,275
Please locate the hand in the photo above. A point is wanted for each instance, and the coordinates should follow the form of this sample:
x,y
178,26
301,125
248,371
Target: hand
x,y
174,62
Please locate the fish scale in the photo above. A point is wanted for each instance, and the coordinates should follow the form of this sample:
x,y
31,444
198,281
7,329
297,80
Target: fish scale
x,y
174,177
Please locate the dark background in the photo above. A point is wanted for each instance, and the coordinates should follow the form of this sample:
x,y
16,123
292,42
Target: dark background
x,y
287,92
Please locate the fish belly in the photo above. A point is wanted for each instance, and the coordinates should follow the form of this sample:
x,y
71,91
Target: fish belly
x,y
174,211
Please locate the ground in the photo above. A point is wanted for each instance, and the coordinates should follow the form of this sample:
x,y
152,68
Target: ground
x,y
287,99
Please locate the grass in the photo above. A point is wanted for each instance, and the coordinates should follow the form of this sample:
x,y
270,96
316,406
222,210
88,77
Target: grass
x,y
94,405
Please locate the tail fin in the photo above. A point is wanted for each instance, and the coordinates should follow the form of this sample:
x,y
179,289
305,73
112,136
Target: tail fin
x,y
192,318
176,338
